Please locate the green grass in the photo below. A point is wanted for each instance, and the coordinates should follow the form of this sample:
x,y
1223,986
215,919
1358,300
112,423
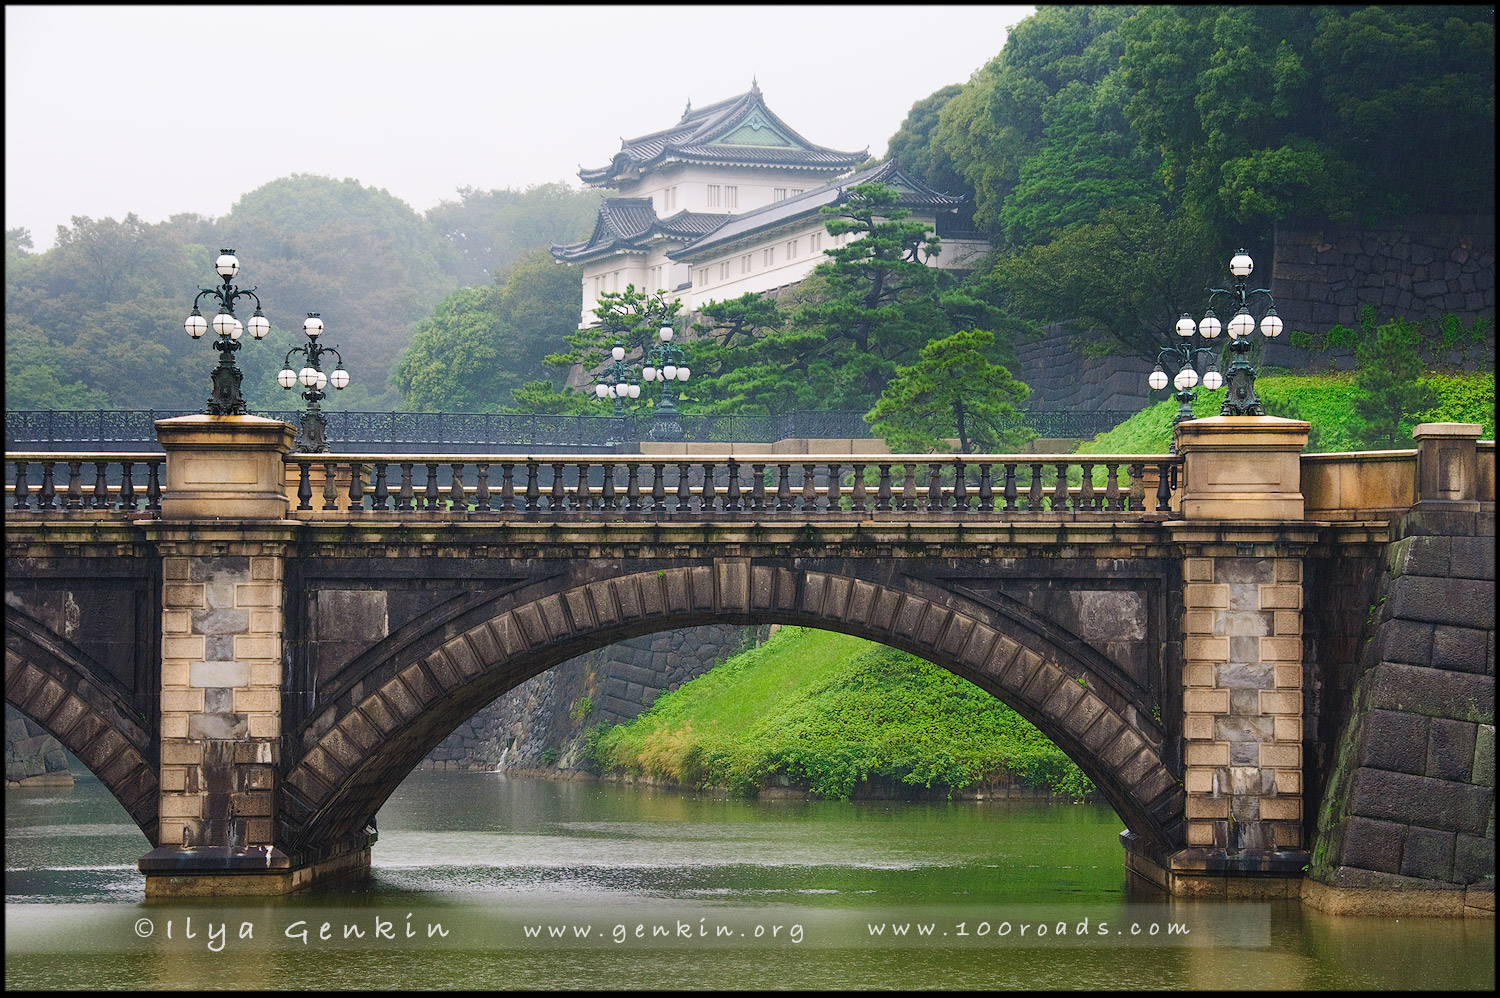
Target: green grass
x,y
1324,400
829,712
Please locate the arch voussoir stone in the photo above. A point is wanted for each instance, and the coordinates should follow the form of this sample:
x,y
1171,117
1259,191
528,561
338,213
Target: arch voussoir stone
x,y
50,685
366,744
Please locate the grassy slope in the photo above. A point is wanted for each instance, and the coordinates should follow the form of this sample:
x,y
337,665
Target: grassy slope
x,y
1324,400
828,711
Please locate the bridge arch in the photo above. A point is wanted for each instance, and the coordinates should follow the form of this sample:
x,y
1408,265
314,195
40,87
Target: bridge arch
x,y
48,680
358,749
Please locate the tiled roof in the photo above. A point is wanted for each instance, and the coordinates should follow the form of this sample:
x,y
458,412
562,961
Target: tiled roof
x,y
706,136
630,223
914,194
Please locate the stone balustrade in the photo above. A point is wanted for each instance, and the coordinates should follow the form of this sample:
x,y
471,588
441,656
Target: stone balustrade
x,y
724,485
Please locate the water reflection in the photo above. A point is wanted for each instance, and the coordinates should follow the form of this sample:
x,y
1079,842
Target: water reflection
x,y
681,891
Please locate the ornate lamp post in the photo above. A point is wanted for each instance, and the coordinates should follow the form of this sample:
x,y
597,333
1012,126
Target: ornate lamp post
x,y
225,399
1240,399
614,381
313,381
664,364
1184,356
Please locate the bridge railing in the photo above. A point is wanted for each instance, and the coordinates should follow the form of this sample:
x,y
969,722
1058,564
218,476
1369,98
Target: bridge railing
x,y
120,483
405,485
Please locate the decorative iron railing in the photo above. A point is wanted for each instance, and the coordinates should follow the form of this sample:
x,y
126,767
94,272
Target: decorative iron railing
x,y
473,432
723,486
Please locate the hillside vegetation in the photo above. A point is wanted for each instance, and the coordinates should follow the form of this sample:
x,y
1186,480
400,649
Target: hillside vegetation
x,y
837,716
1324,400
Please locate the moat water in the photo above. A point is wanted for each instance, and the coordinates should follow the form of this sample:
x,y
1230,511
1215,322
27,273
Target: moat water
x,y
480,881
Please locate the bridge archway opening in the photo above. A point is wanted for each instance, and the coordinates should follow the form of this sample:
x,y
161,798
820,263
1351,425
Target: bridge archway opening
x,y
49,681
358,748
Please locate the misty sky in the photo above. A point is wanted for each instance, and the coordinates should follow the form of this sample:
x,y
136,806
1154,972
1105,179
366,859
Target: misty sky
x,y
164,110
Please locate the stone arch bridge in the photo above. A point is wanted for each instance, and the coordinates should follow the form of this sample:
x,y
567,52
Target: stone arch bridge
x,y
252,673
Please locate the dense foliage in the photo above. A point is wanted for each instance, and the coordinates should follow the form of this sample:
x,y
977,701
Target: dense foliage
x,y
96,321
1118,154
828,712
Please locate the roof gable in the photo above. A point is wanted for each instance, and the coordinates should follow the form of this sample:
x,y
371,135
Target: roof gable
x,y
742,131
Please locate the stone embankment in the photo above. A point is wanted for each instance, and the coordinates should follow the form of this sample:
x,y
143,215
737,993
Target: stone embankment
x,y
33,758
538,728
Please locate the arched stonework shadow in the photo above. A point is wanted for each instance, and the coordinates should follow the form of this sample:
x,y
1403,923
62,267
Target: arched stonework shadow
x,y
48,681
358,749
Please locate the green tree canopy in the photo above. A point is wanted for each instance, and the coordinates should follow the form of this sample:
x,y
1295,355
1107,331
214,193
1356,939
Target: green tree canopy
x,y
953,390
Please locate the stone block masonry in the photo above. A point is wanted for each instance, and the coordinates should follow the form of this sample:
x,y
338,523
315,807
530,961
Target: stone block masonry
x,y
1411,801
620,681
220,697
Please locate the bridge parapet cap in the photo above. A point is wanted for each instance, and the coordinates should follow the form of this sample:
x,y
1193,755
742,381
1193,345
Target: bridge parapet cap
x,y
1242,467
224,467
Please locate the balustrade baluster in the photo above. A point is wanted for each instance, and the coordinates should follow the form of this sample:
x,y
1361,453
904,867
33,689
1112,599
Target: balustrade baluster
x,y
1010,486
607,491
127,485
356,486
1086,492
986,489
1034,497
405,497
857,497
153,486
809,488
75,485
49,488
382,491
935,487
507,487
909,487
1060,489
304,485
434,498
883,490
784,487
1137,499
632,488
835,488
101,486
330,486
578,499
533,487
684,488
658,488
457,501
960,486
1163,488
733,503
706,497
757,487
482,488
1111,487
20,500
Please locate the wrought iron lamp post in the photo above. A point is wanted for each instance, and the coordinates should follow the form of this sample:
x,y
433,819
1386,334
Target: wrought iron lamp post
x,y
225,399
1240,399
313,381
664,364
1184,356
614,381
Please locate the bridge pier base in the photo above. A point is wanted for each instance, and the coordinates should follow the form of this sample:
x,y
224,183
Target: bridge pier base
x,y
219,871
1214,875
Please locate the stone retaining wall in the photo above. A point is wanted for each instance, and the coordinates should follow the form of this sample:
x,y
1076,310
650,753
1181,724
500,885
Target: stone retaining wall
x,y
32,757
1411,801
541,723
1418,267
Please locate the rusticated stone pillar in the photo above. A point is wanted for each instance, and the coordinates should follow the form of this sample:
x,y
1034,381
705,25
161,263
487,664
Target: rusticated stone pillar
x,y
1242,541
223,538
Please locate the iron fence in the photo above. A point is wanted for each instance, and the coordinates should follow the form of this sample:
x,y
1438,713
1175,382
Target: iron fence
x,y
471,432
